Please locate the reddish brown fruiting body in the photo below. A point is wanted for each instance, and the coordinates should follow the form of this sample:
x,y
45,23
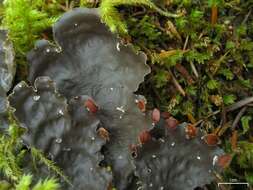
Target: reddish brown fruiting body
x,y
224,160
144,137
91,105
172,123
141,105
191,131
156,115
211,139
103,133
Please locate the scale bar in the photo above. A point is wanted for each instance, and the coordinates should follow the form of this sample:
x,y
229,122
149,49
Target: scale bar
x,y
230,183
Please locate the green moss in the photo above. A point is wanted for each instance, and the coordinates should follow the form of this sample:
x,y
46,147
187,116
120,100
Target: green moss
x,y
25,20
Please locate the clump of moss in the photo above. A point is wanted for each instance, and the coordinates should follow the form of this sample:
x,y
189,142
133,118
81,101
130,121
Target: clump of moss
x,y
25,21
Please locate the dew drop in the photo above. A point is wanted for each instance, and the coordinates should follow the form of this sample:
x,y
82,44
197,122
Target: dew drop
x,y
77,97
173,144
120,157
198,157
67,149
161,188
58,140
47,50
120,117
75,24
93,138
60,112
120,109
215,159
111,89
91,169
153,156
20,85
36,98
151,185
118,48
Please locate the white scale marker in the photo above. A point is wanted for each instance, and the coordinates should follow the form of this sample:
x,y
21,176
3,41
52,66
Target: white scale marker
x,y
233,183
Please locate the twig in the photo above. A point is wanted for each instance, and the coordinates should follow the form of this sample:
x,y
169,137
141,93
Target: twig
x,y
176,83
246,17
144,11
238,117
186,42
245,102
194,70
210,115
240,104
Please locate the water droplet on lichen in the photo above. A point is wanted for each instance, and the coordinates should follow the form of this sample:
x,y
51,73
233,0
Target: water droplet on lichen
x,y
161,188
153,156
67,149
60,112
93,138
117,46
173,144
215,159
75,24
47,50
120,157
120,109
36,98
198,157
111,89
151,185
91,169
58,140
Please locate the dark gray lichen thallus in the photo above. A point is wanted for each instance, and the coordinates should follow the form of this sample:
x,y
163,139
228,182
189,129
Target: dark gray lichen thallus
x,y
81,156
7,72
65,133
89,60
174,162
